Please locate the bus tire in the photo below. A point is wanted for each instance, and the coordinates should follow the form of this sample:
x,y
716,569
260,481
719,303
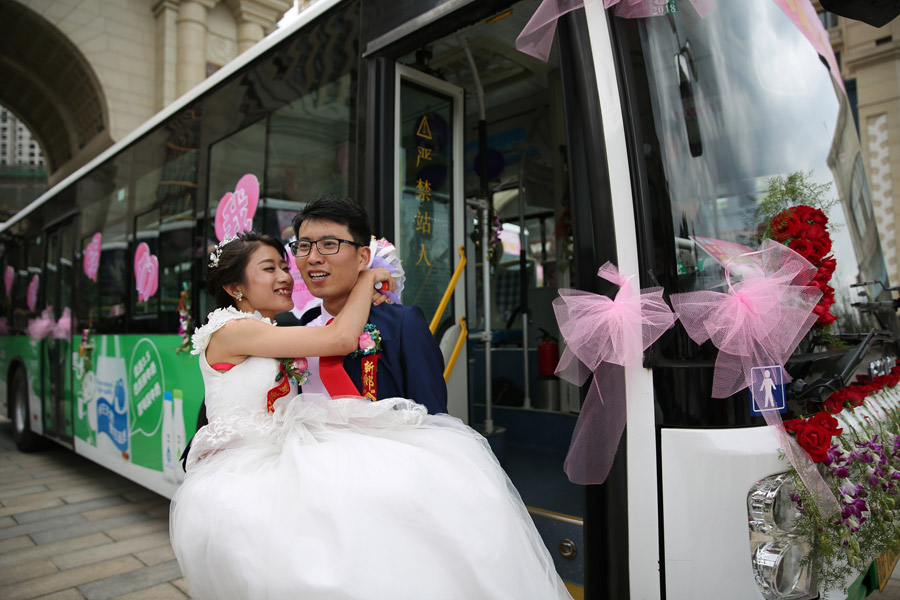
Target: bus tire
x,y
25,439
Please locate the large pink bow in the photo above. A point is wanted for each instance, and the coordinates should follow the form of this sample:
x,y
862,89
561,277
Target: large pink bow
x,y
536,37
602,337
760,321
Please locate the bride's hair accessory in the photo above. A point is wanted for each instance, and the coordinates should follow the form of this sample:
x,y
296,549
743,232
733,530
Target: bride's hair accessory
x,y
602,336
214,256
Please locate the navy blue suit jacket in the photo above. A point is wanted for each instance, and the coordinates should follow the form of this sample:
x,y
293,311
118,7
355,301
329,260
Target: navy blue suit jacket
x,y
411,364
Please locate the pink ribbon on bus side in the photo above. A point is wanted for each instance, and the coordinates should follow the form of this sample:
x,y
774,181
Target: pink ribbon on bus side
x,y
536,37
603,336
760,321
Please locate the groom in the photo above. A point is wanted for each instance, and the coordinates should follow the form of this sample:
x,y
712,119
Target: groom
x,y
409,364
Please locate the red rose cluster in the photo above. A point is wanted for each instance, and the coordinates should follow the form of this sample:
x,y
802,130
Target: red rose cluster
x,y
803,229
854,394
814,434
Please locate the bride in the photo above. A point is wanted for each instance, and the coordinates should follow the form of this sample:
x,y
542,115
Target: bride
x,y
298,496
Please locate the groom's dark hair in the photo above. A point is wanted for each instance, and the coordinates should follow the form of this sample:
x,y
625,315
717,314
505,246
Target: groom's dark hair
x,y
337,209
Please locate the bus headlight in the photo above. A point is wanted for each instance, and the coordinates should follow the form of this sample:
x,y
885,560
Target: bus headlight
x,y
770,506
778,568
777,552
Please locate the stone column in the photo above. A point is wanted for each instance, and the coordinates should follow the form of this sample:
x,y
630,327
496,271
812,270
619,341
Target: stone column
x,y
255,18
166,14
192,29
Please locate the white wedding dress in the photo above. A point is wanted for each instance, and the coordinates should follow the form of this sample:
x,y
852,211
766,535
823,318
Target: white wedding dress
x,y
346,499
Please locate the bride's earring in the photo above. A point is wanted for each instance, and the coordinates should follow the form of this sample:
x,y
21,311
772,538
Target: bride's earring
x,y
239,297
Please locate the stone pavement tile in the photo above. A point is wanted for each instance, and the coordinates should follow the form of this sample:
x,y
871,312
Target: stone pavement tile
x,y
36,505
164,591
141,494
69,594
29,570
123,507
6,468
161,510
58,523
182,585
22,491
45,537
17,477
58,494
100,492
7,522
52,550
11,545
56,582
154,556
132,581
130,531
83,556
50,482
70,509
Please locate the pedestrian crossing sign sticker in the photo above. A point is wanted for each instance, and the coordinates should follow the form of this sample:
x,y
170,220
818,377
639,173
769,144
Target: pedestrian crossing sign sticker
x,y
767,389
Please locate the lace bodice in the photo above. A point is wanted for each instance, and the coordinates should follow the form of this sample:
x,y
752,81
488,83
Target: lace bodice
x,y
235,399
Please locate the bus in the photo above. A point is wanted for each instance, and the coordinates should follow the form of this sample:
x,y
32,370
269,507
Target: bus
x,y
635,141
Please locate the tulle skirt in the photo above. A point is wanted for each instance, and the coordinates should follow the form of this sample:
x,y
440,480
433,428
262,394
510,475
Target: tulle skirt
x,y
350,499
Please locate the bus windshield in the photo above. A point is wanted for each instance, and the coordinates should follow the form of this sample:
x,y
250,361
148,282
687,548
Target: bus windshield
x,y
731,101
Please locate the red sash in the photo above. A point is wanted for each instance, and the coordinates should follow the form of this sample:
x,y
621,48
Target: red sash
x,y
279,391
335,378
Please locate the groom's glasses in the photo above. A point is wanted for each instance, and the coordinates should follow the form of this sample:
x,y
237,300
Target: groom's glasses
x,y
325,246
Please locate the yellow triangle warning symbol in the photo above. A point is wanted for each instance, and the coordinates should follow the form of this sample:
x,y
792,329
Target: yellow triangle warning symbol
x,y
424,130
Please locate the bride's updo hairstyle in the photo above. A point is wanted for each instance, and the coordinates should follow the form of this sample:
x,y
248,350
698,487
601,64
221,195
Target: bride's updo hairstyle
x,y
228,262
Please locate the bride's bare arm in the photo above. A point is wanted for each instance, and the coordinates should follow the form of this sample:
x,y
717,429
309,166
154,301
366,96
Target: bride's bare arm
x,y
241,338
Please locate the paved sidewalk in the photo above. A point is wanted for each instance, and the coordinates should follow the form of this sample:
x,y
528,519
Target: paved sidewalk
x,y
70,529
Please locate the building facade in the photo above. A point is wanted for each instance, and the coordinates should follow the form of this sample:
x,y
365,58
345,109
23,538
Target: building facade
x,y
82,74
870,65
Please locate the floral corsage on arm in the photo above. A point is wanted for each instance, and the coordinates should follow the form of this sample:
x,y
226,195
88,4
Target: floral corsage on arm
x,y
297,369
369,342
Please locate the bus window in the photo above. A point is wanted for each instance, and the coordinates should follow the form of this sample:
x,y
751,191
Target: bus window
x,y
230,159
113,279
308,145
176,252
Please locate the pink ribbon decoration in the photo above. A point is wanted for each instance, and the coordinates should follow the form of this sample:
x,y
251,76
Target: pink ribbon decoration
x,y
760,321
235,211
91,262
32,293
41,326
602,337
536,37
146,272
8,277
62,330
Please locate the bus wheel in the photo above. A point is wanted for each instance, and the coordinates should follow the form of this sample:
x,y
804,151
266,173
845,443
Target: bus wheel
x,y
25,440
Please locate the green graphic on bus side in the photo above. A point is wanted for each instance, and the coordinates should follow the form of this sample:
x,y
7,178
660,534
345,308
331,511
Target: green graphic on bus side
x,y
138,399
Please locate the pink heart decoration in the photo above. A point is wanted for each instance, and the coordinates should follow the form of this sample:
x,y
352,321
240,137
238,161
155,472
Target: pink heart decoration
x,y
31,296
92,257
235,211
8,277
146,272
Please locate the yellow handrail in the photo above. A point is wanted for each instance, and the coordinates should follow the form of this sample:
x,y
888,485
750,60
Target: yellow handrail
x,y
449,291
457,348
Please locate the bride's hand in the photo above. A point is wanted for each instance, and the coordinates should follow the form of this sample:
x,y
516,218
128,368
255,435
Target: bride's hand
x,y
383,277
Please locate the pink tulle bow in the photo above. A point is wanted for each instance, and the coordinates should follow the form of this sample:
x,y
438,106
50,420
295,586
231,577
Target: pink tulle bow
x,y
536,37
602,336
63,328
40,327
759,321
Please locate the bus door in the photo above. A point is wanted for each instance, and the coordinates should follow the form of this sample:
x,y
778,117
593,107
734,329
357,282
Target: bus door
x,y
56,355
507,148
428,211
